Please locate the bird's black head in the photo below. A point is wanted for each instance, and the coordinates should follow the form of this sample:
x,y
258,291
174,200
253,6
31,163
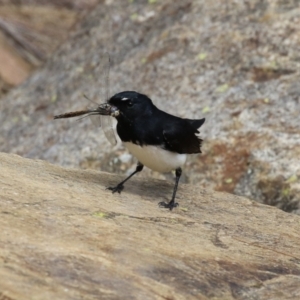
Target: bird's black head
x,y
131,105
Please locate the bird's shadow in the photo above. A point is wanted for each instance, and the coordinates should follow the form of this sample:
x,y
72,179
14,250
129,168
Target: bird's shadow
x,y
147,188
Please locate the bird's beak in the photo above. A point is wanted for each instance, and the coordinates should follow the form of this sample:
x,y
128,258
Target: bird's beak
x,y
114,111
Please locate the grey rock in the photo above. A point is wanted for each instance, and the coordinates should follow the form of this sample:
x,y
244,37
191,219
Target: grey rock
x,y
234,62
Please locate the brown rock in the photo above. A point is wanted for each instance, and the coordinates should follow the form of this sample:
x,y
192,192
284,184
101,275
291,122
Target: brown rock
x,y
30,32
64,236
13,69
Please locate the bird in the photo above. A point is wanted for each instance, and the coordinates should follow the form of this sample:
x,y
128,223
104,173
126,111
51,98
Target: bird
x,y
159,140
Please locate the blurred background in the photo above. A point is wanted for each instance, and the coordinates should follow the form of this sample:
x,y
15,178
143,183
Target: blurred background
x,y
30,30
236,63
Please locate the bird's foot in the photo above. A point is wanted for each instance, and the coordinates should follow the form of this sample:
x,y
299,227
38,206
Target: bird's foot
x,y
169,205
118,188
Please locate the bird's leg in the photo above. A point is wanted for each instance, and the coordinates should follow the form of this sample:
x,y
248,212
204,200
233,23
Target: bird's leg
x,y
119,187
172,203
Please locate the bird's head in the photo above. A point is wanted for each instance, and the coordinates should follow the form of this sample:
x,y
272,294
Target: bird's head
x,y
130,105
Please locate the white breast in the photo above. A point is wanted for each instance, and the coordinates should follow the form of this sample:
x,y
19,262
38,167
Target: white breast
x,y
155,158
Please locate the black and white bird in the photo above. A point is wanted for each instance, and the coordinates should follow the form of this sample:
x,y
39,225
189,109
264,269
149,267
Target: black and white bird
x,y
158,140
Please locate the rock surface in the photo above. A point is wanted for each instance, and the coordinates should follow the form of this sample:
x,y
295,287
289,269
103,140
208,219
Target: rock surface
x,y
64,236
234,62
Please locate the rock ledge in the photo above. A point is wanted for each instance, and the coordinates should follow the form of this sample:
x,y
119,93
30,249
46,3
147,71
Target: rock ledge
x,y
63,236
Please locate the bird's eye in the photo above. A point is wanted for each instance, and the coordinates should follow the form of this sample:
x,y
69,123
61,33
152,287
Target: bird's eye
x,y
130,103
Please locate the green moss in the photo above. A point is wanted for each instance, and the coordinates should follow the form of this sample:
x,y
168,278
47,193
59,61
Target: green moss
x,y
100,214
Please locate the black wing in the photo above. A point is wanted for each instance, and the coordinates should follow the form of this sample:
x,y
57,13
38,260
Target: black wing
x,y
182,137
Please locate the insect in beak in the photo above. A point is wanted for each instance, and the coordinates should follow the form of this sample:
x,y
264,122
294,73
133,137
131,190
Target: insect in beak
x,y
103,109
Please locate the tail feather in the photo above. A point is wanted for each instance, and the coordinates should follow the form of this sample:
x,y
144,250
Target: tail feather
x,y
196,123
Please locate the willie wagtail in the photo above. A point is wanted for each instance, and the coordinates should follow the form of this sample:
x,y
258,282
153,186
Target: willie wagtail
x,y
158,140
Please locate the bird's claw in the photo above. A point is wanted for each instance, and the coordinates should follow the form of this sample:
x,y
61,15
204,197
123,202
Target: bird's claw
x,y
169,205
118,188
